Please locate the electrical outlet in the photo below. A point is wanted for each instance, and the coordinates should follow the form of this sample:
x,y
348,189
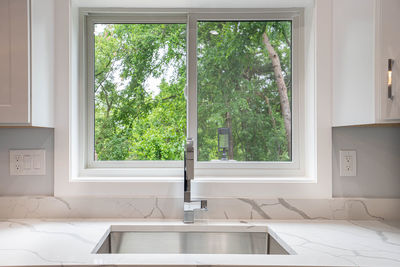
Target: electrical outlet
x,y
348,163
28,162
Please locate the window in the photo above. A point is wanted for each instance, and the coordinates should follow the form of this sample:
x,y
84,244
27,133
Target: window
x,y
307,175
228,80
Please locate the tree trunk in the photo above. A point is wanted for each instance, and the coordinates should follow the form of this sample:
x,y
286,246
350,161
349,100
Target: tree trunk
x,y
285,104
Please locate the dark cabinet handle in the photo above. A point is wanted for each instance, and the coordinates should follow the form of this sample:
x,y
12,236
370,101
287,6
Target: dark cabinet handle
x,y
390,81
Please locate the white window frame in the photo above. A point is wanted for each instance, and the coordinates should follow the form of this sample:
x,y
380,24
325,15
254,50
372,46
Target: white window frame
x,y
315,183
153,168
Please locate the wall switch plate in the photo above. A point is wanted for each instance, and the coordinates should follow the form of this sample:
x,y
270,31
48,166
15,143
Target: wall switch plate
x,y
28,162
348,163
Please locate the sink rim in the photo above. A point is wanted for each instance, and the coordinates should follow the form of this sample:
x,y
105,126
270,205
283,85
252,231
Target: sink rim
x,y
187,228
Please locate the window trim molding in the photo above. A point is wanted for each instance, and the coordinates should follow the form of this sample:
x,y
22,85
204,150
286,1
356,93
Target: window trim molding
x,y
315,183
90,167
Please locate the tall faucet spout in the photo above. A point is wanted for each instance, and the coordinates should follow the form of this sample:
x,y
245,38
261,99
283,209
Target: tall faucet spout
x,y
190,206
189,169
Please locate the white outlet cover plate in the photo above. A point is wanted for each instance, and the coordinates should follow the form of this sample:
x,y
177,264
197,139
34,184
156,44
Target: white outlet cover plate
x,y
27,162
348,163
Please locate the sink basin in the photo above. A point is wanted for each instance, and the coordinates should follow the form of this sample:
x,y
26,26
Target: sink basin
x,y
188,241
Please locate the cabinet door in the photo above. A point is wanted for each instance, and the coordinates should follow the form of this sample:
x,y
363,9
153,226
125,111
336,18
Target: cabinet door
x,y
390,49
14,62
353,62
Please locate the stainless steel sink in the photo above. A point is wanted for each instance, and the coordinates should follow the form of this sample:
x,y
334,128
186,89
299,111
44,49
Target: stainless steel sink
x,y
189,242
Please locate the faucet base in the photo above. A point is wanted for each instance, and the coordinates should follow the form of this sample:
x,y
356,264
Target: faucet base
x,y
188,216
190,207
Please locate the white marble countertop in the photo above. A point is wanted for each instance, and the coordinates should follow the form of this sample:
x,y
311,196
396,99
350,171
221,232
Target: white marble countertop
x,y
312,243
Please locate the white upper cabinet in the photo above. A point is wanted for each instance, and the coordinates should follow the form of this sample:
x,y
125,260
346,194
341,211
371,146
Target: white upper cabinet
x,y
365,35
27,62
388,32
14,62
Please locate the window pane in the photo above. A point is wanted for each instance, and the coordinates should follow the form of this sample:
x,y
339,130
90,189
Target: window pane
x,y
140,76
244,90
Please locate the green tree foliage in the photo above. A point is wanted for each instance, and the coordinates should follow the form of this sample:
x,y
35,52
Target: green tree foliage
x,y
130,122
134,121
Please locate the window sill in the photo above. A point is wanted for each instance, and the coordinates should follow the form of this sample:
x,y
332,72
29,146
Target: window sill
x,y
209,179
206,187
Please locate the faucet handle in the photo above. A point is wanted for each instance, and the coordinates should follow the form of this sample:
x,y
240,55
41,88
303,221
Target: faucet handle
x,y
195,205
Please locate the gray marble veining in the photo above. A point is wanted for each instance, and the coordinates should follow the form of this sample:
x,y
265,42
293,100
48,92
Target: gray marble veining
x,y
218,208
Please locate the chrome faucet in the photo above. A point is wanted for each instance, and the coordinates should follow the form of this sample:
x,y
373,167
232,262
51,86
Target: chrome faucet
x,y
189,206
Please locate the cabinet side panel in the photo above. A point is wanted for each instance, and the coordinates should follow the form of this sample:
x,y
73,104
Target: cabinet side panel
x,y
353,62
43,38
14,46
